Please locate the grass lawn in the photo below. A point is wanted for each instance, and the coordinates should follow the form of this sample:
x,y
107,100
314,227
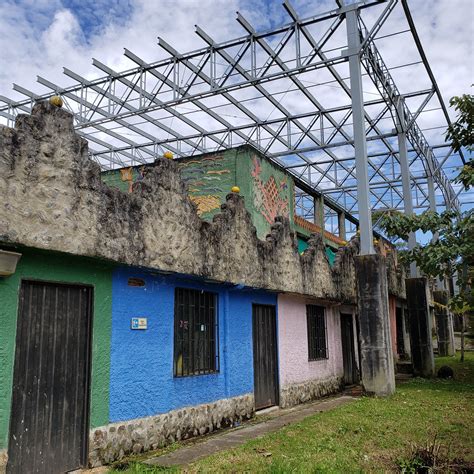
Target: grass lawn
x,y
369,435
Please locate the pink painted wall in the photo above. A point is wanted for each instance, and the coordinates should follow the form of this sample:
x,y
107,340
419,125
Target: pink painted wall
x,y
293,343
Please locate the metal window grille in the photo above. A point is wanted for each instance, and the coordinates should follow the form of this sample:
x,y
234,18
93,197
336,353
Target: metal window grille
x,y
195,333
317,337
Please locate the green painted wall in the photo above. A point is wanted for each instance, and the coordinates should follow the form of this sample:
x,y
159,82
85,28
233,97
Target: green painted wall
x,y
210,178
268,191
113,178
302,245
60,268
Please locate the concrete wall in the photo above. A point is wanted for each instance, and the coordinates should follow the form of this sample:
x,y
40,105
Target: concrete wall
x,y
295,368
57,201
141,381
58,268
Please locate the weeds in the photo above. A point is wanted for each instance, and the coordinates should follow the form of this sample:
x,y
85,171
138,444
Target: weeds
x,y
433,457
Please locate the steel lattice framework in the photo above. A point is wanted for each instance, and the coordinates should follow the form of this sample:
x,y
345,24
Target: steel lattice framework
x,y
289,93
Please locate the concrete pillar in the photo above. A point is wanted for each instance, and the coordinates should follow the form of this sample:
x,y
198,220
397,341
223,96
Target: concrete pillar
x,y
377,368
420,327
341,221
444,324
319,212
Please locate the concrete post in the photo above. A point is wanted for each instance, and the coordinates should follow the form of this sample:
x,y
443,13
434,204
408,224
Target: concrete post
x,y
377,368
420,327
319,213
444,324
341,221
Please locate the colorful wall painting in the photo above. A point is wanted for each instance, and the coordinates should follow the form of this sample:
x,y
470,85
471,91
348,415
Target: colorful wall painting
x,y
209,179
268,191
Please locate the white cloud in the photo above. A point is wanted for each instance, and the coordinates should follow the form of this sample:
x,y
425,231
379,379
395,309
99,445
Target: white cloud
x,y
40,37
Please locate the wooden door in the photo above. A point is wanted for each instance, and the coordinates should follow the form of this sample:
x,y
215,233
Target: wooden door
x,y
265,361
400,332
348,351
50,400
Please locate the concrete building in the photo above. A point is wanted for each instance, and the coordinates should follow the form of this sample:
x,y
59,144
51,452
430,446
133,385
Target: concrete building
x,y
131,322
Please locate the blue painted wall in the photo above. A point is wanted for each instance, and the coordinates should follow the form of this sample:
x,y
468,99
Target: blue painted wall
x,y
141,380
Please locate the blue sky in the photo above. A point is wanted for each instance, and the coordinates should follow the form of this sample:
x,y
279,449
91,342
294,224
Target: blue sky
x,y
40,37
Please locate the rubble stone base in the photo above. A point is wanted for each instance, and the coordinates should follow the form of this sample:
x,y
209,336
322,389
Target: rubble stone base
x,y
114,441
295,394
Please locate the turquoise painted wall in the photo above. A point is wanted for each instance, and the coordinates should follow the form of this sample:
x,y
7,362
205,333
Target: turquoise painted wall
x,y
210,178
47,266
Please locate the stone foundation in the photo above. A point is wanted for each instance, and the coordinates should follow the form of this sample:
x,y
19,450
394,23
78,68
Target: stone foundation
x,y
116,440
294,394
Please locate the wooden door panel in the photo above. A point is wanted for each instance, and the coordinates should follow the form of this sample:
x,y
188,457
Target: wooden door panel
x,y
265,356
49,416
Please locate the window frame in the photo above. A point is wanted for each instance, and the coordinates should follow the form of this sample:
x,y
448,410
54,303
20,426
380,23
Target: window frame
x,y
315,351
197,304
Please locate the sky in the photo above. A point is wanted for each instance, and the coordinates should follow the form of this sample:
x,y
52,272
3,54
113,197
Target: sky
x,y
39,37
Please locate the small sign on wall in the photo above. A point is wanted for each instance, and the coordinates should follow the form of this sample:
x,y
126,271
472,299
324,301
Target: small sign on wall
x,y
139,323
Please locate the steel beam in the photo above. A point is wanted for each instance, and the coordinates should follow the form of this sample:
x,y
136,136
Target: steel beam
x,y
406,177
360,143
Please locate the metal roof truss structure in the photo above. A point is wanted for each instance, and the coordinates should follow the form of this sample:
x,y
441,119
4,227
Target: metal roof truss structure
x,y
297,93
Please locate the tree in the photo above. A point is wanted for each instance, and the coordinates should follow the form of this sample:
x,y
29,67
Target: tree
x,y
461,135
451,253
461,132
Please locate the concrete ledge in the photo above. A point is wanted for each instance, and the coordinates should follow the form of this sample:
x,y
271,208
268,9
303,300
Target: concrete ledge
x,y
116,440
294,394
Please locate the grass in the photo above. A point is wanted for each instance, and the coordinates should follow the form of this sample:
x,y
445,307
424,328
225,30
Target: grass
x,y
369,435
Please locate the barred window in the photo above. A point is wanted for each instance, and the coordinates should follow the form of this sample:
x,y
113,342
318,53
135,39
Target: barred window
x,y
195,333
317,346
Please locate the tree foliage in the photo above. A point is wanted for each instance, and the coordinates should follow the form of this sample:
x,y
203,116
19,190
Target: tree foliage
x,y
452,252
443,257
461,132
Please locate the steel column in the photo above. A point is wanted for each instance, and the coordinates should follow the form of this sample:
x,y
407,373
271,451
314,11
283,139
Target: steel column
x,y
360,143
406,178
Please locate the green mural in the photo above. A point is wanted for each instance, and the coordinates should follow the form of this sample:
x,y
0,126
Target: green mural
x,y
40,265
268,191
209,179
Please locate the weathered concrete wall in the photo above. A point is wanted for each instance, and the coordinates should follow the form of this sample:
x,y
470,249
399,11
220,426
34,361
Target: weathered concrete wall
x,y
116,440
421,342
56,200
392,310
444,323
378,375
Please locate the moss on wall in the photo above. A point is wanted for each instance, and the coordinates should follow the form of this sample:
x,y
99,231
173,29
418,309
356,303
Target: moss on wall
x,y
41,265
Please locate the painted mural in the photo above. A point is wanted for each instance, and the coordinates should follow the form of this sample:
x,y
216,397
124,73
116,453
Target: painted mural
x,y
268,191
270,197
209,179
